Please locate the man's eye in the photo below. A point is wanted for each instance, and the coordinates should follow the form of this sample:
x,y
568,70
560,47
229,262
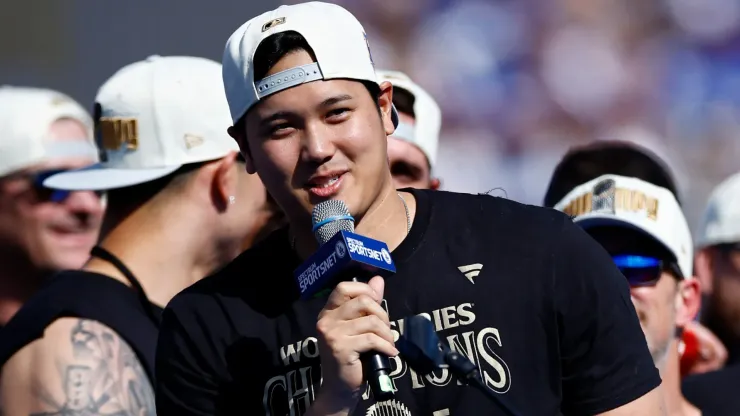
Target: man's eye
x,y
279,128
339,112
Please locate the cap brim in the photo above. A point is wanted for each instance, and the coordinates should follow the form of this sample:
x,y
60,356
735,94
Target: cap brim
x,y
101,178
607,220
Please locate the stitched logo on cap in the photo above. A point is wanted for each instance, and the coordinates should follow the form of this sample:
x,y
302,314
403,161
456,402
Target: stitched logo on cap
x,y
117,133
603,199
272,23
59,100
192,141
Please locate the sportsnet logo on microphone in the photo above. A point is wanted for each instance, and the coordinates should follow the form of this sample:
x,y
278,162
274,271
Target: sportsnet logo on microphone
x,y
345,251
357,246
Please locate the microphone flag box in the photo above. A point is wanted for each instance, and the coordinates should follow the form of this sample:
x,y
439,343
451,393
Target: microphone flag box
x,y
342,252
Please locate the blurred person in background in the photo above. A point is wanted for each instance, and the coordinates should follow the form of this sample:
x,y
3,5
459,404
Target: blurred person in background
x,y
644,230
703,350
412,148
41,230
718,269
180,205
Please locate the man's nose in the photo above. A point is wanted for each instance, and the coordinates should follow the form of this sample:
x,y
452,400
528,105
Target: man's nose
x,y
317,145
84,203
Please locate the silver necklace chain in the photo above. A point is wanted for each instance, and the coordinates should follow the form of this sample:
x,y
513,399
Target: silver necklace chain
x,y
405,208
408,216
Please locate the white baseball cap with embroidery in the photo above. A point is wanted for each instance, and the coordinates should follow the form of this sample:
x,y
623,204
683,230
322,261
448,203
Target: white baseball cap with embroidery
x,y
720,222
424,133
336,37
612,200
26,114
154,117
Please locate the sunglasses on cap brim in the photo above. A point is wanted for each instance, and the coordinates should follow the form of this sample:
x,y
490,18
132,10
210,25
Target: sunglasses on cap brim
x,y
644,270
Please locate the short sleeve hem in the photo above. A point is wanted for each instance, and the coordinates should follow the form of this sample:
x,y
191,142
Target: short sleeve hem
x,y
620,398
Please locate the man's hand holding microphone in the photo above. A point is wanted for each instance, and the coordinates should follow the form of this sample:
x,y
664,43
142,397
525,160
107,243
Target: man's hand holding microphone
x,y
353,329
352,322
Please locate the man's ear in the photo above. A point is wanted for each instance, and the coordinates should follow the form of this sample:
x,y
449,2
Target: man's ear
x,y
225,181
385,102
237,133
688,301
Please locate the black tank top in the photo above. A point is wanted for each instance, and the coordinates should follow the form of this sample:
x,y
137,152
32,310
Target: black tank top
x,y
87,295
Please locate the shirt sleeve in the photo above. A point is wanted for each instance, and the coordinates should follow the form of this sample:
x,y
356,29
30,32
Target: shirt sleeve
x,y
186,382
605,361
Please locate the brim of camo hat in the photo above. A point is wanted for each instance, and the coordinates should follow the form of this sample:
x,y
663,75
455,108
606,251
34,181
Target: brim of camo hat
x,y
101,178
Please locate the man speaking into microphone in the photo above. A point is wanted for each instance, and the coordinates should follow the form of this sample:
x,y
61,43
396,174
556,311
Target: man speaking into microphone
x,y
512,288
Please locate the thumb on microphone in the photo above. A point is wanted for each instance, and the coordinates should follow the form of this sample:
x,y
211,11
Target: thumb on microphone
x,y
377,284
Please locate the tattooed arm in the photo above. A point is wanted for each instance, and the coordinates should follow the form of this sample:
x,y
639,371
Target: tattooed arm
x,y
79,367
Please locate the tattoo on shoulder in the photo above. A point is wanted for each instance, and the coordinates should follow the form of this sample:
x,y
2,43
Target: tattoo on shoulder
x,y
104,377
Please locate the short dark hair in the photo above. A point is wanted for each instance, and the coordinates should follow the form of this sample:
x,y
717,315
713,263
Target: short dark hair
x,y
584,163
274,47
404,101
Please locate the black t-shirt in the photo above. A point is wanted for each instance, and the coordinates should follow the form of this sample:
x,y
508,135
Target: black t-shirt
x,y
87,295
715,393
520,290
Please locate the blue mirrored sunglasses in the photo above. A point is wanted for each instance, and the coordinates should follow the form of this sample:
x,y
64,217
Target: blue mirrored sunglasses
x,y
639,270
53,195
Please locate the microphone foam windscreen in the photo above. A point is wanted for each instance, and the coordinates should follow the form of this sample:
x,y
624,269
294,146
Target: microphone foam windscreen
x,y
333,215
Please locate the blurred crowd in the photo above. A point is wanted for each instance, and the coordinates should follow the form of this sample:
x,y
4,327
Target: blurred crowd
x,y
521,81
518,83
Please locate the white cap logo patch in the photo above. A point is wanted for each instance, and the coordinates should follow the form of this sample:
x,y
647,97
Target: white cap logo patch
x,y
272,23
118,133
604,196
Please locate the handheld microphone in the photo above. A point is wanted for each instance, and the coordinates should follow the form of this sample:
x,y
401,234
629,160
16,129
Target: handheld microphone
x,y
341,253
420,347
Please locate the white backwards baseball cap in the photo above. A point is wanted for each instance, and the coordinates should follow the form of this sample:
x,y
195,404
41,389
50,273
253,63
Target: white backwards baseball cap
x,y
721,220
612,200
427,114
336,37
153,117
26,114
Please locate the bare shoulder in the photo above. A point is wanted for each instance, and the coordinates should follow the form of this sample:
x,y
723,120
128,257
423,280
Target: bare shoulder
x,y
650,403
79,367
